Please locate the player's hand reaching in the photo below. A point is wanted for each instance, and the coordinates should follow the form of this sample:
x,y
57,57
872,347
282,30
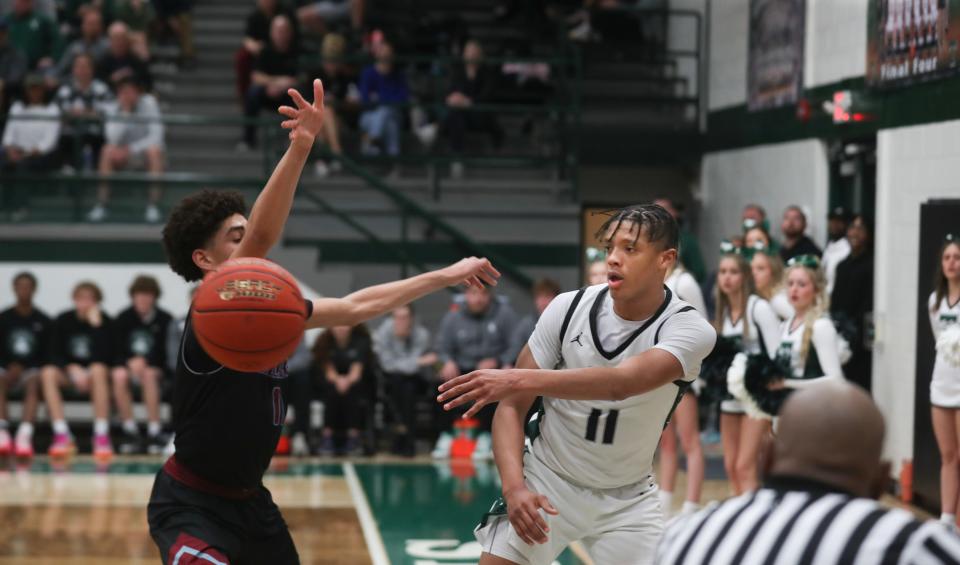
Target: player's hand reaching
x,y
472,271
480,387
523,510
306,120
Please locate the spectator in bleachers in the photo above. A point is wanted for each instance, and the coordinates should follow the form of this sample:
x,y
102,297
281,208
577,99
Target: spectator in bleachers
x,y
472,338
383,91
29,144
754,213
795,240
83,101
120,62
91,42
274,73
140,334
257,36
597,272
177,15
175,335
132,145
341,97
544,291
138,15
343,359
690,256
24,333
13,66
318,15
35,34
473,82
80,350
71,13
403,350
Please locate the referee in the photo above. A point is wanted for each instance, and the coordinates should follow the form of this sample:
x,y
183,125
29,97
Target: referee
x,y
818,504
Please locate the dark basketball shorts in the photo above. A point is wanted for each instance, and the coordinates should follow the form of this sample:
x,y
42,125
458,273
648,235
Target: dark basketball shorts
x,y
195,528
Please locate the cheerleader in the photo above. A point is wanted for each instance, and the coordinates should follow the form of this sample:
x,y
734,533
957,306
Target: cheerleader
x,y
686,418
746,323
596,273
944,306
767,272
809,344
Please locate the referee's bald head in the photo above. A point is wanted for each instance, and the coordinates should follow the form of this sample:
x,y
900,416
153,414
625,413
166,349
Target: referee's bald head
x,y
832,432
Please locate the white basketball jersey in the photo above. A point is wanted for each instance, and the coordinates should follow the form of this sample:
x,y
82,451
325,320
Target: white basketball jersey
x,y
942,316
610,444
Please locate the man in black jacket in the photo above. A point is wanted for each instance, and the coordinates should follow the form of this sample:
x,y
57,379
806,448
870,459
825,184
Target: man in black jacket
x,y
140,345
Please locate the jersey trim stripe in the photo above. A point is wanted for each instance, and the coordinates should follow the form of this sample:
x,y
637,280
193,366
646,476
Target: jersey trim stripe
x,y
595,309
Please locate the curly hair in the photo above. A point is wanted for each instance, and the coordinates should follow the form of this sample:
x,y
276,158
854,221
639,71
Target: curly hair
x,y
191,225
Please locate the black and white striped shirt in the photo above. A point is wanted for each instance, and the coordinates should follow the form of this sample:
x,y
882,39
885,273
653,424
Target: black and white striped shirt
x,y
796,521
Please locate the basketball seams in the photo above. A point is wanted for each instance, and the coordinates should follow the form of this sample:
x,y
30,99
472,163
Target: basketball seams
x,y
263,271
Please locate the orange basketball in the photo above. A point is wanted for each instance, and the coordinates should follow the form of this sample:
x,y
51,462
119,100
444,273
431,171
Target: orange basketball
x,y
249,315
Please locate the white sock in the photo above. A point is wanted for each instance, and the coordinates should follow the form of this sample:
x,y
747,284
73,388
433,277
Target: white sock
x,y
25,430
154,428
60,427
948,518
689,507
101,427
130,427
666,502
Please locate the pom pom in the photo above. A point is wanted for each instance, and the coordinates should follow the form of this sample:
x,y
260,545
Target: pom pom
x,y
948,345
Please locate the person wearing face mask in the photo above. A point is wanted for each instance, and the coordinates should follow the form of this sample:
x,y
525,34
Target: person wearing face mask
x,y
140,345
852,299
944,310
80,350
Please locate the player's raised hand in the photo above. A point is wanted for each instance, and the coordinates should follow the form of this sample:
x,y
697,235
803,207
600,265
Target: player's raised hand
x,y
523,510
306,120
472,271
481,387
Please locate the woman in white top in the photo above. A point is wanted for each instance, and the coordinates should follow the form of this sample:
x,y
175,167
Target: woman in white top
x,y
685,419
747,323
808,340
944,307
767,272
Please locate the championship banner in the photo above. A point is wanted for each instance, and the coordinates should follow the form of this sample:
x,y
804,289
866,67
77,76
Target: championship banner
x,y
911,40
775,67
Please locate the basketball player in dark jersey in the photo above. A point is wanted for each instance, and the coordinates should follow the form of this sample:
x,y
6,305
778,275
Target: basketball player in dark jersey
x,y
209,505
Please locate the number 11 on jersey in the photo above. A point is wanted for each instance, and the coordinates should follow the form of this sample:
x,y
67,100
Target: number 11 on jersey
x,y
609,428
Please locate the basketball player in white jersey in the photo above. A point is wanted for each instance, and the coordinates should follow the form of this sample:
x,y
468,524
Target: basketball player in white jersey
x,y
611,362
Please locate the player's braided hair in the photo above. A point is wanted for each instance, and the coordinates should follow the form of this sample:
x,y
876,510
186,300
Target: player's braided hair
x,y
191,225
650,219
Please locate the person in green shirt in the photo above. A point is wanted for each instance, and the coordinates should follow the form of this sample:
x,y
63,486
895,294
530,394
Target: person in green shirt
x,y
36,35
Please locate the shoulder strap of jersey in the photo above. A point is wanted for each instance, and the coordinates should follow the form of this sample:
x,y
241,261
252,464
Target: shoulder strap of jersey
x,y
756,326
656,336
570,312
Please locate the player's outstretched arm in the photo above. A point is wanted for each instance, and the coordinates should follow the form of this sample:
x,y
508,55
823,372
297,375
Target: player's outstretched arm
x,y
636,375
377,300
523,505
270,211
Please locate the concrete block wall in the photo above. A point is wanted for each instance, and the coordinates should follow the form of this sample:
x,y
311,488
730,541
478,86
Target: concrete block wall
x,y
774,176
914,164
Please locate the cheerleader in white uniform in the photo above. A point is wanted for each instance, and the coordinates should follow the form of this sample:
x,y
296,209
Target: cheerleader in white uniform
x,y
752,326
686,418
944,307
809,344
767,269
